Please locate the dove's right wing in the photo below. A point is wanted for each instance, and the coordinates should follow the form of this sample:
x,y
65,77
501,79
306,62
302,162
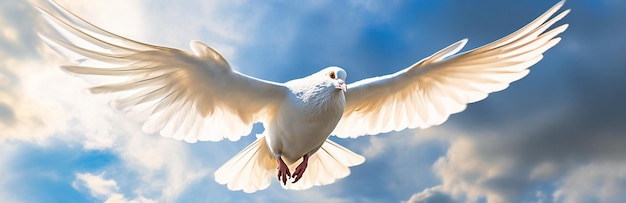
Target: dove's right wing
x,y
190,96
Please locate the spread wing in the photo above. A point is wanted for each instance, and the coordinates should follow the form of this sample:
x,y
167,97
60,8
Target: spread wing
x,y
427,92
187,96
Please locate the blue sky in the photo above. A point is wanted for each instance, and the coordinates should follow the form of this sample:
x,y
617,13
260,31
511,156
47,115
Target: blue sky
x,y
557,135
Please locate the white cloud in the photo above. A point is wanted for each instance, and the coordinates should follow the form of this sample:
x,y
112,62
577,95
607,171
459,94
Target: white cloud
x,y
408,139
601,182
376,147
505,164
9,34
96,184
125,18
103,189
222,25
544,171
32,118
165,166
462,169
431,195
42,100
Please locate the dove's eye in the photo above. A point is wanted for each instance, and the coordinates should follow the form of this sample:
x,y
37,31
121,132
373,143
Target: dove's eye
x,y
332,75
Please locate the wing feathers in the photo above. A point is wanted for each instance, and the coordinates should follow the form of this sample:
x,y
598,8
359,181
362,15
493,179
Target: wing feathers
x,y
187,96
529,27
442,54
426,93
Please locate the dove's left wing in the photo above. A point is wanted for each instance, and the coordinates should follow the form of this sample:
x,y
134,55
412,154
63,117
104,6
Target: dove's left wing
x,y
426,93
187,96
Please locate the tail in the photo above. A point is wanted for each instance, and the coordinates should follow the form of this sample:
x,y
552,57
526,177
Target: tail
x,y
250,170
254,167
330,163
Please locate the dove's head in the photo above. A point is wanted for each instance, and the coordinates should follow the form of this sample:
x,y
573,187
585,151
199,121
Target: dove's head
x,y
337,76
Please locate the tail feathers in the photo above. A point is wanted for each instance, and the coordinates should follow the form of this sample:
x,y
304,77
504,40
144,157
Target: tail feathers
x,y
254,167
250,170
330,163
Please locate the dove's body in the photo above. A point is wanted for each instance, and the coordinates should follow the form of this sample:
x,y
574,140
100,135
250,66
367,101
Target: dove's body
x,y
196,95
305,121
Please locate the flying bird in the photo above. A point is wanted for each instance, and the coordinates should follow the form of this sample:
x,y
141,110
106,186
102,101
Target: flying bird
x,y
197,96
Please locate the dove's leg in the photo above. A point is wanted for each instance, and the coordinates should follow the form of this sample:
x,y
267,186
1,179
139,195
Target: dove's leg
x,y
283,170
301,168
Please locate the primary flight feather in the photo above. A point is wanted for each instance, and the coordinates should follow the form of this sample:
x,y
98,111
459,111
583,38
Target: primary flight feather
x,y
196,95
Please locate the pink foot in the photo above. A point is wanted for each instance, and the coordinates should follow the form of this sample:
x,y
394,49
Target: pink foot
x,y
301,168
283,171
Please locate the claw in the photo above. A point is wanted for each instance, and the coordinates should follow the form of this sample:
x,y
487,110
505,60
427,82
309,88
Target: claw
x,y
283,171
297,174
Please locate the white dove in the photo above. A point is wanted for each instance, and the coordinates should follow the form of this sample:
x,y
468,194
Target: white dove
x,y
196,95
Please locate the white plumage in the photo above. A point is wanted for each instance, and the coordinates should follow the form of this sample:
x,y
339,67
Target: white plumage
x,y
196,95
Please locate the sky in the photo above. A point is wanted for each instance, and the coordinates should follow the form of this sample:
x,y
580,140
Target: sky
x,y
557,135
